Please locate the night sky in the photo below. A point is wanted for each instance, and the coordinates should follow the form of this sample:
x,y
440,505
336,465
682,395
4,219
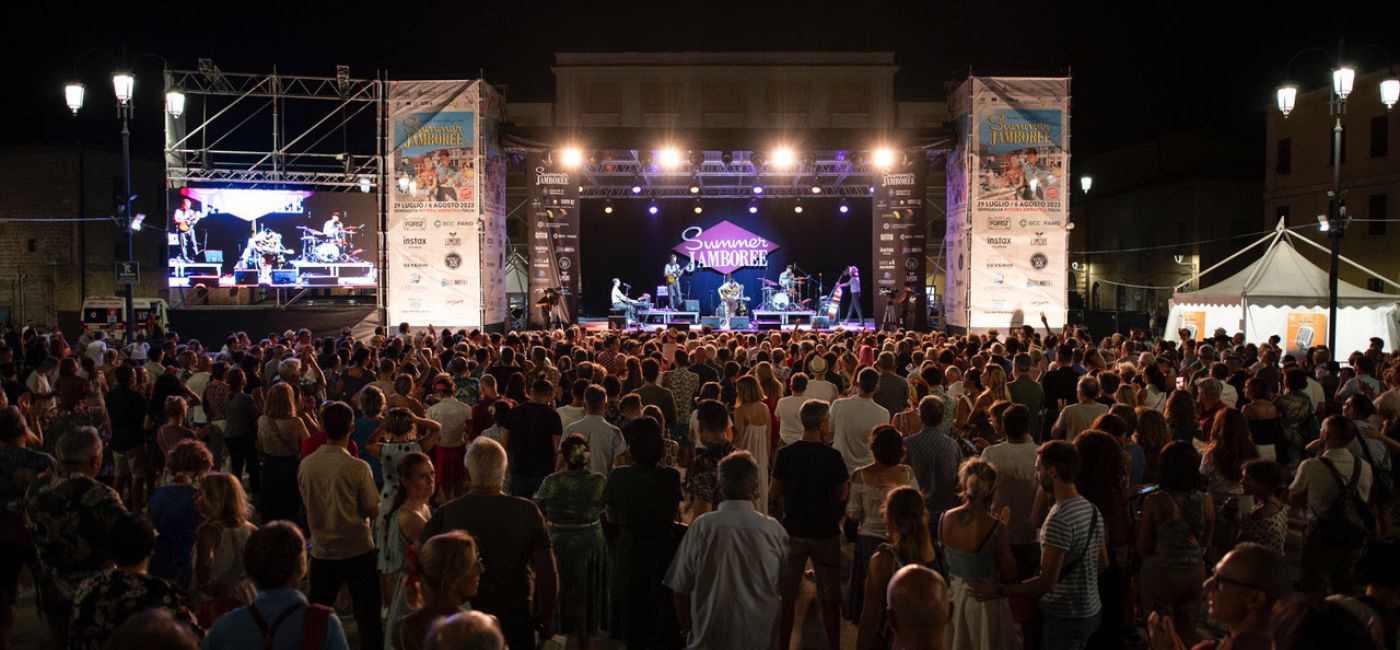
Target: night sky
x,y
1140,68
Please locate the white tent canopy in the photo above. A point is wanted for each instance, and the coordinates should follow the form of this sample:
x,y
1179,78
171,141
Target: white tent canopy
x,y
1259,299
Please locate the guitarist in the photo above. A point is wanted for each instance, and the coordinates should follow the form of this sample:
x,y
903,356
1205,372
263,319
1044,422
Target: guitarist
x,y
185,220
673,272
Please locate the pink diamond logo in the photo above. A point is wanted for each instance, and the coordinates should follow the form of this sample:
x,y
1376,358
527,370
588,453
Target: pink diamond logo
x,y
724,247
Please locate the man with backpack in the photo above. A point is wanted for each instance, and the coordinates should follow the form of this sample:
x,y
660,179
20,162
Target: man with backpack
x,y
1334,488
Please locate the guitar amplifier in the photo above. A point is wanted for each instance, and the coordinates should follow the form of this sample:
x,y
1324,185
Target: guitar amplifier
x,y
692,305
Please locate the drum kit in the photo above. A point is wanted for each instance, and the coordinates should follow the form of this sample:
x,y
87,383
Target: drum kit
x,y
777,297
318,247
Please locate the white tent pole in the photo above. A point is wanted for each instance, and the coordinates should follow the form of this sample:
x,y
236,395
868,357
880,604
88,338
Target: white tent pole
x,y
1343,258
1249,284
1238,253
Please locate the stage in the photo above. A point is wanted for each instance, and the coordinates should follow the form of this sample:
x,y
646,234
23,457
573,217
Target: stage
x,y
602,324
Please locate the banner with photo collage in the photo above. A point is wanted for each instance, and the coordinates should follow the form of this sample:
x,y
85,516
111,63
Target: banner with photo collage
x,y
897,241
553,237
955,244
1019,201
434,225
495,244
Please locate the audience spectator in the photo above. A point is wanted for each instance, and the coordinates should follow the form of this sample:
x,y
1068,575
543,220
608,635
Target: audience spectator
x,y
105,600
572,502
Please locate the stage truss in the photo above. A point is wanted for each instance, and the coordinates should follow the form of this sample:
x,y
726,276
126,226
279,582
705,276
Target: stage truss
x,y
277,131
612,174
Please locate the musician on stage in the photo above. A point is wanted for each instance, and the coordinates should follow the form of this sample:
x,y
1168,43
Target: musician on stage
x,y
729,294
620,302
788,281
548,304
852,285
673,272
333,228
185,219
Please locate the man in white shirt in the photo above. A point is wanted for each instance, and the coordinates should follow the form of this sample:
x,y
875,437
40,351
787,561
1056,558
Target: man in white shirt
x,y
97,348
1325,568
1014,460
605,442
852,418
789,410
136,350
725,573
818,388
451,451
574,410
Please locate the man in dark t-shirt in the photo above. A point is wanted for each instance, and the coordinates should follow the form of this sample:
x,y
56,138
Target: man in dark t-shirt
x,y
810,478
532,435
1061,385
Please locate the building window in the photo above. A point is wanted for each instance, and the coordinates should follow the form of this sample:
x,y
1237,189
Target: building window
x,y
1285,156
1380,136
1374,284
1332,155
1281,212
1376,225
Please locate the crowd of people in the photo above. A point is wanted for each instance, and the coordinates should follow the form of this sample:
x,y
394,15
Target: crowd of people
x,y
446,489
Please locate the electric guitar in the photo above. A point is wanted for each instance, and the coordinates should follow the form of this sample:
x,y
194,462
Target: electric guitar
x,y
186,219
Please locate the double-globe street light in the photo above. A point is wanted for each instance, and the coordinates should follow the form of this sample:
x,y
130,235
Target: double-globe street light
x,y
124,87
1343,78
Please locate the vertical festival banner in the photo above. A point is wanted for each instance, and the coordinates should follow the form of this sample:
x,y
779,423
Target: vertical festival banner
x,y
494,241
955,244
553,237
897,256
433,226
1019,201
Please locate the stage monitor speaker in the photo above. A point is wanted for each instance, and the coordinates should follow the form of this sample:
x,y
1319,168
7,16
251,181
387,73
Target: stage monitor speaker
x,y
739,322
245,277
679,327
712,321
284,276
768,326
322,281
208,281
617,321
213,257
692,305
821,322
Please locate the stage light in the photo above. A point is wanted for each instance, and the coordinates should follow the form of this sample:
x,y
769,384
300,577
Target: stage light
x,y
884,158
636,189
670,157
695,185
782,157
636,184
364,184
758,189
797,207
753,206
124,85
73,93
844,208
571,157
872,189
652,209
175,102
136,222
699,207
816,189
608,207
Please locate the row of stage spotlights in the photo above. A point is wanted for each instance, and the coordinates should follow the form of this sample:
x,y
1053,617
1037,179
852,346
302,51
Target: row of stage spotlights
x,y
695,188
782,157
699,207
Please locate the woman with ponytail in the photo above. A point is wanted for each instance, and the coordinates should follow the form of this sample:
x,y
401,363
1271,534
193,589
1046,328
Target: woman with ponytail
x,y
443,577
399,526
906,523
572,501
977,547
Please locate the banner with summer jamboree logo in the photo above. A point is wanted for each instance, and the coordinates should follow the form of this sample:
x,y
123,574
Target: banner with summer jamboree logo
x,y
433,263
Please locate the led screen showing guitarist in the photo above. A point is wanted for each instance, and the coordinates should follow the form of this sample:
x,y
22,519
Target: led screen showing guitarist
x,y
186,217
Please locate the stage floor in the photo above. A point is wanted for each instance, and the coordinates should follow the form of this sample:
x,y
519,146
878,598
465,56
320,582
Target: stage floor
x,y
601,324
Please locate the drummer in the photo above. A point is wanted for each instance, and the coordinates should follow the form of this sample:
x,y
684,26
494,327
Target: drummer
x,y
333,228
788,281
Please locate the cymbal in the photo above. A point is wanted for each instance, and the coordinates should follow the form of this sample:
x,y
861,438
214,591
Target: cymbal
x,y
768,282
309,229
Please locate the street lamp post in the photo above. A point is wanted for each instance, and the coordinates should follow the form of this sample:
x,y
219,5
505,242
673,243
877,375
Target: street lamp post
x,y
124,87
1343,79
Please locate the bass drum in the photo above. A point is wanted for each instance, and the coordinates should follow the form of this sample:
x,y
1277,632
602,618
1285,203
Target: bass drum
x,y
781,302
326,253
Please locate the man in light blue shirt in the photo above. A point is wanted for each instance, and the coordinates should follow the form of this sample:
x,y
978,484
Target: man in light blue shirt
x,y
276,561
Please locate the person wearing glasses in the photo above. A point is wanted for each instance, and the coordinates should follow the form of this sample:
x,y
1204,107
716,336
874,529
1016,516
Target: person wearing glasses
x,y
1240,594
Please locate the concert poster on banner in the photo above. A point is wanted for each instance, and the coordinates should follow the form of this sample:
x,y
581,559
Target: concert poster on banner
x,y
897,243
434,270
554,242
1019,201
1305,329
1194,322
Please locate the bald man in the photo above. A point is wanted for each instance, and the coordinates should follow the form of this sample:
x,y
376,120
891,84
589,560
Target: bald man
x,y
466,631
917,608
